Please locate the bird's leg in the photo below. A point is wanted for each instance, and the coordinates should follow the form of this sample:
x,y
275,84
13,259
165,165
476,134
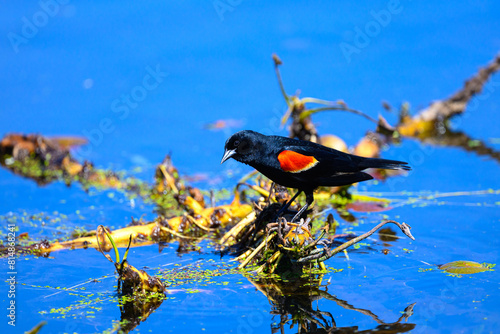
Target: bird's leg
x,y
268,201
280,233
309,200
287,204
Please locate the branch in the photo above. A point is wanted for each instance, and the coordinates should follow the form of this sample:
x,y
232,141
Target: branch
x,y
456,104
405,228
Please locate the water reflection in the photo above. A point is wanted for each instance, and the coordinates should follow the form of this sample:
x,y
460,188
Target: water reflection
x,y
461,140
291,304
136,310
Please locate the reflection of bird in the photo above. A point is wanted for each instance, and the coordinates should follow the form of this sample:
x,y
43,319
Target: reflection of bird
x,y
301,164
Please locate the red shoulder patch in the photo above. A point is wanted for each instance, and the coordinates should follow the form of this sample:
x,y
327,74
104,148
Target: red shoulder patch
x,y
294,162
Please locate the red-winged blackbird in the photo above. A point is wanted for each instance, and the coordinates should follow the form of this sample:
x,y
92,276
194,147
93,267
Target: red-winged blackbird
x,y
301,164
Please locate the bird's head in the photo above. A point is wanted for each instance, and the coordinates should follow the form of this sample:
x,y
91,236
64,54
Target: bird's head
x,y
243,146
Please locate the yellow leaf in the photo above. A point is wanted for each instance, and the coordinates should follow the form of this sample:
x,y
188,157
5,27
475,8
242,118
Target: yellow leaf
x,y
463,267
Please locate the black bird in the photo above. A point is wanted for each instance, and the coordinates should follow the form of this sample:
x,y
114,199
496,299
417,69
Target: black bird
x,y
300,164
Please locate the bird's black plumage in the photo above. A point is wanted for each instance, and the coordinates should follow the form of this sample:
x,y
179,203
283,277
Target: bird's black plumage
x,y
301,164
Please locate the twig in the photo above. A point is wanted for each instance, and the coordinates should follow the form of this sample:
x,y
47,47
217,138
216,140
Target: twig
x,y
169,179
256,251
315,242
457,103
166,229
236,230
310,112
277,63
405,228
192,220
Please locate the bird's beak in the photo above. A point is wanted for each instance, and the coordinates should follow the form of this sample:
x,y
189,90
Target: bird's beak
x,y
228,154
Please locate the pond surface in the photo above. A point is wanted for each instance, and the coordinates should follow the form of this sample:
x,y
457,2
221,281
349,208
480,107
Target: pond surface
x,y
201,62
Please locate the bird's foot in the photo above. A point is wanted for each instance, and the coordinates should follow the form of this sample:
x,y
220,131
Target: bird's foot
x,y
299,214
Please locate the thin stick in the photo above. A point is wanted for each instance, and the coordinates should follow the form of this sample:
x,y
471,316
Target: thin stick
x,y
166,229
405,228
277,63
268,262
315,242
192,220
169,179
322,266
242,256
275,265
309,112
256,251
236,230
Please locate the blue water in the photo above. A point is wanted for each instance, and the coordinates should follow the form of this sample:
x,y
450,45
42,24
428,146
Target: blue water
x,y
71,75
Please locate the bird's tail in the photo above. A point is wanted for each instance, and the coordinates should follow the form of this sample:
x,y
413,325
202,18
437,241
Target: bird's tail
x,y
383,164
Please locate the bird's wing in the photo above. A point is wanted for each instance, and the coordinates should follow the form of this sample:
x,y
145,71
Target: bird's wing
x,y
297,159
320,166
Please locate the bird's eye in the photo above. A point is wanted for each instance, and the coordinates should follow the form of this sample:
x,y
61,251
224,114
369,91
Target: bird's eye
x,y
236,143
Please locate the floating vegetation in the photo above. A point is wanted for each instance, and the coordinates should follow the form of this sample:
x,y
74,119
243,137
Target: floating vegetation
x,y
466,267
195,273
273,245
46,160
37,328
130,279
39,158
141,294
190,226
